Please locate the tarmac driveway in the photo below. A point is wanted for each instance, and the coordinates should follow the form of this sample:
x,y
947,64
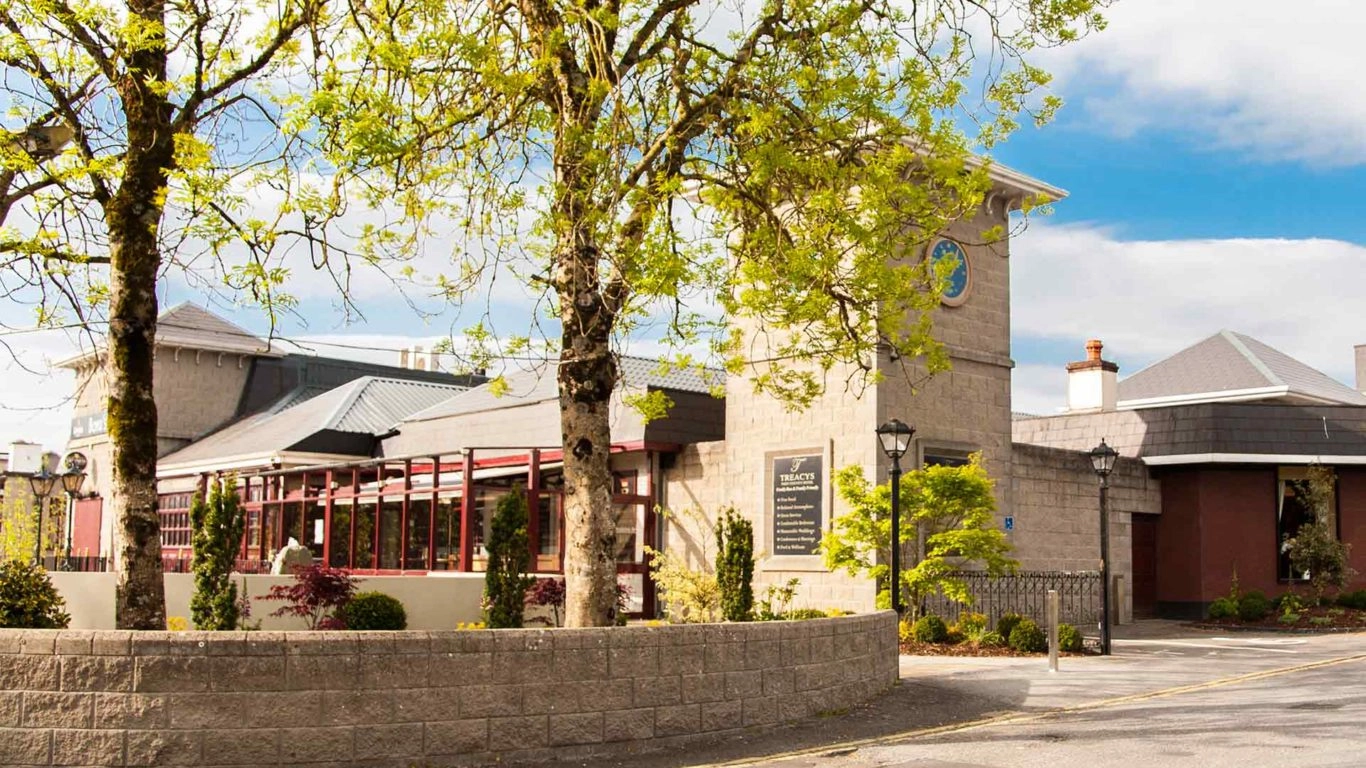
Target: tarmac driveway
x,y
1169,695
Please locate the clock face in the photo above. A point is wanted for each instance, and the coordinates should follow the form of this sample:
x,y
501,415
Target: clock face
x,y
960,279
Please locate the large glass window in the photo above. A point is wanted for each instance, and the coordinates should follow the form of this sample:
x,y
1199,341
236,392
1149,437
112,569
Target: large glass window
x,y
1292,512
447,534
390,532
629,547
365,534
340,535
293,512
418,536
314,530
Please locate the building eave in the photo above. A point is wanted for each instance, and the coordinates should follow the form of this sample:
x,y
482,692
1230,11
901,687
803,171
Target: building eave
x,y
1250,458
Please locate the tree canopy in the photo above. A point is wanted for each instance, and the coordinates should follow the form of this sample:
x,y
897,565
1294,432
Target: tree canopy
x,y
734,179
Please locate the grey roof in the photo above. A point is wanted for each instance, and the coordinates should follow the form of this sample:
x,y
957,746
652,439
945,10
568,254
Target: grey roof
x,y
1227,362
368,406
535,386
190,325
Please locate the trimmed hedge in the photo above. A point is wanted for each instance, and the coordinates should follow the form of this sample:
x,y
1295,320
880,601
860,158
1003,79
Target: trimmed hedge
x,y
930,629
1027,637
375,611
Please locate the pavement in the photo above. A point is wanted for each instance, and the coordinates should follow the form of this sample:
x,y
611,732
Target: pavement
x,y
1168,695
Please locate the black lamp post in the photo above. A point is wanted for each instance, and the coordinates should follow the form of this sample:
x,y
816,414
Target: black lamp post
x,y
72,480
1103,461
895,437
41,483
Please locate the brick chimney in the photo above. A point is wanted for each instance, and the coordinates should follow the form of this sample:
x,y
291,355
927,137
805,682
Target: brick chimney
x,y
1093,383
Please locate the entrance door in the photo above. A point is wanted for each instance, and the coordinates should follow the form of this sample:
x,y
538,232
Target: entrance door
x,y
1144,529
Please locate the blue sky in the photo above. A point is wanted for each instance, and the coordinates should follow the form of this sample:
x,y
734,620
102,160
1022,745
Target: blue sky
x,y
1215,153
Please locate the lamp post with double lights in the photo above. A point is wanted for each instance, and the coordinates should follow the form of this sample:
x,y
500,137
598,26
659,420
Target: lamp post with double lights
x,y
72,480
1103,462
41,483
895,437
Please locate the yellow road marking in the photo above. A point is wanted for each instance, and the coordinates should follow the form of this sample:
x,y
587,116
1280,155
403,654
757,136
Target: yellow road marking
x,y
1028,717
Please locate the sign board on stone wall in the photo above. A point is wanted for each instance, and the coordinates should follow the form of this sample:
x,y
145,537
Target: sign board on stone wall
x,y
798,504
88,425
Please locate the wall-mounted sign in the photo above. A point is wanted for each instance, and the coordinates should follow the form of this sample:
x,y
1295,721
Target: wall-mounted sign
x,y
798,504
1010,523
943,251
88,425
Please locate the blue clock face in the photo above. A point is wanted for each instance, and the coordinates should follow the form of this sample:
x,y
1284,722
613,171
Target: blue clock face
x,y
956,290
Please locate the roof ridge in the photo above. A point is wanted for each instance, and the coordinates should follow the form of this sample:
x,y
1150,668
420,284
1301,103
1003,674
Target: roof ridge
x,y
1236,340
358,387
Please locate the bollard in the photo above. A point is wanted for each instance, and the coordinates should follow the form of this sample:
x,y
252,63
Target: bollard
x,y
1053,630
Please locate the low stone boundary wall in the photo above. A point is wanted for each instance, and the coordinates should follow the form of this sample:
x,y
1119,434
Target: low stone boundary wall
x,y
418,699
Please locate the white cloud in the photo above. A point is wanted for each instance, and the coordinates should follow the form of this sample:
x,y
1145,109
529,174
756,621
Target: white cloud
x,y
1278,77
37,403
1149,299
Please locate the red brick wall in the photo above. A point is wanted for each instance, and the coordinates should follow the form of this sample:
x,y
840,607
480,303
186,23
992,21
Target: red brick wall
x,y
1238,526
1178,538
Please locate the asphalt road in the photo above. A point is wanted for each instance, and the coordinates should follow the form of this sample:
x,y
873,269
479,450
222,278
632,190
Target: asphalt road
x,y
1218,702
1168,697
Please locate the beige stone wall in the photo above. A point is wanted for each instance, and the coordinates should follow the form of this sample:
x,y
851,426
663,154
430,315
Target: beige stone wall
x,y
967,409
438,601
420,698
1057,513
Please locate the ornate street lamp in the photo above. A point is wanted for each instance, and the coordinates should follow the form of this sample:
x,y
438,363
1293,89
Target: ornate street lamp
x,y
72,480
1103,462
895,437
41,483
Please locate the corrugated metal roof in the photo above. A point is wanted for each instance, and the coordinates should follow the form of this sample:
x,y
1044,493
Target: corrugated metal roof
x,y
1229,362
369,405
535,386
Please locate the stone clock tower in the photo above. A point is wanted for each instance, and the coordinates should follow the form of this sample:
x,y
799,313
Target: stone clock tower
x,y
776,467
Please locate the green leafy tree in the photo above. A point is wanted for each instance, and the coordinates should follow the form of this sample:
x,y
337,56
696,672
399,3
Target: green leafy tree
x,y
1315,548
507,580
143,139
217,526
735,566
951,506
640,163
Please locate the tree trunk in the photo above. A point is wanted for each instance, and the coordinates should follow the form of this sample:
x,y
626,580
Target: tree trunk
x,y
133,215
587,376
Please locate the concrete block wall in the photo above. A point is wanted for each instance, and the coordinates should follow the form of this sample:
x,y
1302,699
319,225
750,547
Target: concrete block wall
x,y
1057,513
420,699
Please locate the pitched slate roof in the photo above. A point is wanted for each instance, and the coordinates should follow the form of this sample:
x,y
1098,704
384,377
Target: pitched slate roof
x,y
1229,366
527,387
368,406
190,325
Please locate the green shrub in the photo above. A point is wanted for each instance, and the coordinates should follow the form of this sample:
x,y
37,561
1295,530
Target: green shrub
x,y
992,640
1321,621
970,623
955,636
28,600
1006,624
1027,637
1355,600
905,631
1223,608
217,527
735,566
1069,638
930,629
375,611
803,614
1289,618
1288,603
506,578
1253,606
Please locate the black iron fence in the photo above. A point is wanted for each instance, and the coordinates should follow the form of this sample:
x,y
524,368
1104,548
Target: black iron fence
x,y
76,563
92,564
1026,593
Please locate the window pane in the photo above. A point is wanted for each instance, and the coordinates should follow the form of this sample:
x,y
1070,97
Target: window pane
x,y
313,528
390,532
365,534
628,546
293,512
447,534
340,556
419,533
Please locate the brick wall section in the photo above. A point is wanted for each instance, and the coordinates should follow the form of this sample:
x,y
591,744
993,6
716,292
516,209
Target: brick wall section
x,y
420,698
1057,512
